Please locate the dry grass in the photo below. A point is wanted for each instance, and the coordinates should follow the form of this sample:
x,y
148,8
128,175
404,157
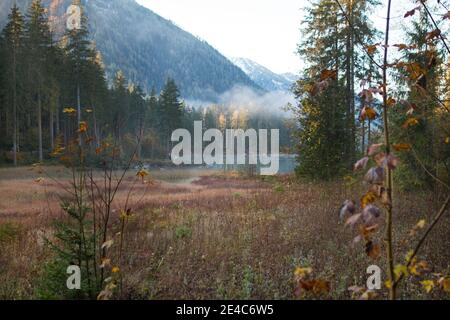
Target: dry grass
x,y
215,236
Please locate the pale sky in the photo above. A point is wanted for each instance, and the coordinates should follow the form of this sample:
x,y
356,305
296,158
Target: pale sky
x,y
265,31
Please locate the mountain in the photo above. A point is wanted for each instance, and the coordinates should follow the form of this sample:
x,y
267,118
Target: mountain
x,y
148,48
265,78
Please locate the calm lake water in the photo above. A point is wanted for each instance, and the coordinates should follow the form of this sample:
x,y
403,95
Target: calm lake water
x,y
287,164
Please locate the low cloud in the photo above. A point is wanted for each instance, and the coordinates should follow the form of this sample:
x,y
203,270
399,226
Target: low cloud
x,y
244,97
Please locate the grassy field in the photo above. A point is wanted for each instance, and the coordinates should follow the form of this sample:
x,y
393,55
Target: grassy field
x,y
199,234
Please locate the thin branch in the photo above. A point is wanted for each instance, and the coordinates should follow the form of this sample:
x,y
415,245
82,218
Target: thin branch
x,y
436,219
435,24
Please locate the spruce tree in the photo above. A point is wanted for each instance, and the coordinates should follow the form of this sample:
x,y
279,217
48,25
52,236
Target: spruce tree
x,y
422,80
81,55
326,92
12,50
170,111
38,45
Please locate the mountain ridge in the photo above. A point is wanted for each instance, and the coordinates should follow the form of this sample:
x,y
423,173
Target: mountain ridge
x,y
264,77
149,48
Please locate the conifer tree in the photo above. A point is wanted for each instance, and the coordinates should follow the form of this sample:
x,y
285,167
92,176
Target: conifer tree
x,y
12,50
326,110
38,45
170,111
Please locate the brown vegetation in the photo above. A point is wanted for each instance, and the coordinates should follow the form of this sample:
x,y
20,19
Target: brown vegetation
x,y
216,237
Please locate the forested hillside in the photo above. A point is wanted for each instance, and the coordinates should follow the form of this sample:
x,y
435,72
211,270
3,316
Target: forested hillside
x,y
147,48
49,87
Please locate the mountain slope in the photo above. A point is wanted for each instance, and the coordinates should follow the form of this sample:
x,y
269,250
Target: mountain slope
x,y
262,76
149,48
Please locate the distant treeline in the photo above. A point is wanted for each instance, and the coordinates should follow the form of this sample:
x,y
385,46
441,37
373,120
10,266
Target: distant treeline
x,y
48,86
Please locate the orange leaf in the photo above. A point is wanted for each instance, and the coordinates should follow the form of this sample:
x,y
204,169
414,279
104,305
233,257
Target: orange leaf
x,y
371,49
328,74
390,102
401,146
373,250
368,113
433,34
410,122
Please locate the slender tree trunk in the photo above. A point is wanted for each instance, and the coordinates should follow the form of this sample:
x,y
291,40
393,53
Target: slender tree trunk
x,y
78,104
348,62
52,130
389,245
41,156
96,133
14,110
352,89
57,119
78,111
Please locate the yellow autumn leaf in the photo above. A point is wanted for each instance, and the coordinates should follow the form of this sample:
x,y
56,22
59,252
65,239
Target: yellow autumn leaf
x,y
368,198
446,285
428,285
409,255
400,270
69,110
302,272
388,284
447,140
410,122
142,173
115,270
421,224
413,269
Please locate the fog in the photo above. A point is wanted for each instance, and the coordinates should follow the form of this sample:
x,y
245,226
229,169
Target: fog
x,y
255,102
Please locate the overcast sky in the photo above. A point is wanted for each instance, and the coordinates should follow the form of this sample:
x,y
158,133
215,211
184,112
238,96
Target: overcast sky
x,y
266,31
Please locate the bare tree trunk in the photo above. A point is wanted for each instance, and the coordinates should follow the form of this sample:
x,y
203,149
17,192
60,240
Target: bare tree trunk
x,y
389,244
14,110
52,131
78,111
41,156
57,119
348,62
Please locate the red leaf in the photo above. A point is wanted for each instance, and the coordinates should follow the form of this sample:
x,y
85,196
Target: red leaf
x,y
347,207
373,149
353,220
361,163
411,12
